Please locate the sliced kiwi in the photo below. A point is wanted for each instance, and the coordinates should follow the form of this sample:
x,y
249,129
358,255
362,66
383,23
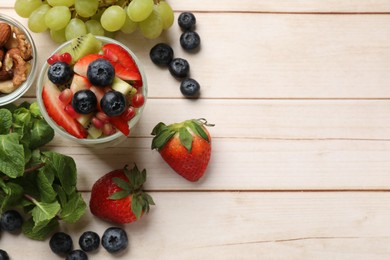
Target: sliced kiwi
x,y
82,46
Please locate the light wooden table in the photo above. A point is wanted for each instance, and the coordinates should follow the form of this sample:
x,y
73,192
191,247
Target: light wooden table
x,y
300,95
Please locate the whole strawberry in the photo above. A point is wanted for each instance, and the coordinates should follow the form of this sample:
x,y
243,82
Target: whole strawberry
x,y
185,146
118,196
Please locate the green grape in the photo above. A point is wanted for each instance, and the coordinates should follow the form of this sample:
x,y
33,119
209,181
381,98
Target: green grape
x,y
86,8
129,26
94,27
75,28
139,10
166,13
25,7
152,27
36,20
57,17
67,3
113,18
58,36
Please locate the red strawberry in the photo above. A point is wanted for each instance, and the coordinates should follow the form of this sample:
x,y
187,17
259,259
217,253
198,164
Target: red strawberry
x,y
56,110
118,196
124,64
185,146
81,65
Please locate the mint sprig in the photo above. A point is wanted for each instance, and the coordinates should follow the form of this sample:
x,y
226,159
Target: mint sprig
x,y
41,183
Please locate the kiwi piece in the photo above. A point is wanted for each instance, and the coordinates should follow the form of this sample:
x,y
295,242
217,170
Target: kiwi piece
x,y
82,46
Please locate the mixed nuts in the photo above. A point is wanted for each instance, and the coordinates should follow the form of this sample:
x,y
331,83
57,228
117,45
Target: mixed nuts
x,y
15,54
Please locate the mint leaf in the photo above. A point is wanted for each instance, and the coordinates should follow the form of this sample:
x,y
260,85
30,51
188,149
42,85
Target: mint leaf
x,y
41,134
6,121
29,231
34,109
74,209
44,183
65,170
22,116
11,155
43,212
11,195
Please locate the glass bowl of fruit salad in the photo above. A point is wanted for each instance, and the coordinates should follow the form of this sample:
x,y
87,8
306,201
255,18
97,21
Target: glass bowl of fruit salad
x,y
18,60
92,90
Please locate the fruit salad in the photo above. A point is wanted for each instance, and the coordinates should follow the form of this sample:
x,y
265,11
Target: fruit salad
x,y
93,88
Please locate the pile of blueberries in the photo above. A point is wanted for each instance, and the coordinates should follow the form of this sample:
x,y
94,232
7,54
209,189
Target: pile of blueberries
x,y
114,239
162,55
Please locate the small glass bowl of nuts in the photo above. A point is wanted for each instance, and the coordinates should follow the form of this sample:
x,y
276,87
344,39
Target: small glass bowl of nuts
x,y
18,60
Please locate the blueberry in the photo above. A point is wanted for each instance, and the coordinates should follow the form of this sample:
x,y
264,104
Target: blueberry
x,y
61,243
89,241
84,101
189,40
11,221
113,103
187,21
189,87
161,54
114,240
59,73
3,255
179,67
100,73
77,255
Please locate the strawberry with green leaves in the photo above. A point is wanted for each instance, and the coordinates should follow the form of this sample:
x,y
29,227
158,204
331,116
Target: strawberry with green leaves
x,y
185,146
118,196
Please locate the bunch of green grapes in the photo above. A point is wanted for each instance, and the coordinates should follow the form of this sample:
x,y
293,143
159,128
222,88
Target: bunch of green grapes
x,y
68,19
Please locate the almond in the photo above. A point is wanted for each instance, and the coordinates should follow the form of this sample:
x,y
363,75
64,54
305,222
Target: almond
x,y
5,33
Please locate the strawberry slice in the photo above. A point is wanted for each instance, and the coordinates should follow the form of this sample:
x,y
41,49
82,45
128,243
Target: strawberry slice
x,y
126,74
81,66
120,124
127,68
56,110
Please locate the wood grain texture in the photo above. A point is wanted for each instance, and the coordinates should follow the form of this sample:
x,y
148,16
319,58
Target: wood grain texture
x,y
299,92
249,164
280,56
244,226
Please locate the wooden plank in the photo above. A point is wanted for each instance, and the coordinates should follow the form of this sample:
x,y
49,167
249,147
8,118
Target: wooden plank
x,y
244,226
275,56
349,6
260,165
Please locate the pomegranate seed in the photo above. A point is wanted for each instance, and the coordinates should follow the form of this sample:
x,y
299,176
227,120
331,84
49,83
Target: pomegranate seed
x,y
103,117
108,129
138,100
53,58
97,123
128,114
70,110
66,96
65,57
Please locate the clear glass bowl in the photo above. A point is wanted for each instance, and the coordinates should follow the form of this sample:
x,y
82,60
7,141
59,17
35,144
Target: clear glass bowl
x,y
103,142
13,96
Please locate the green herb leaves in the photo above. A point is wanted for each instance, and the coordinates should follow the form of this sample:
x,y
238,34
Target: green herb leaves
x,y
42,183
